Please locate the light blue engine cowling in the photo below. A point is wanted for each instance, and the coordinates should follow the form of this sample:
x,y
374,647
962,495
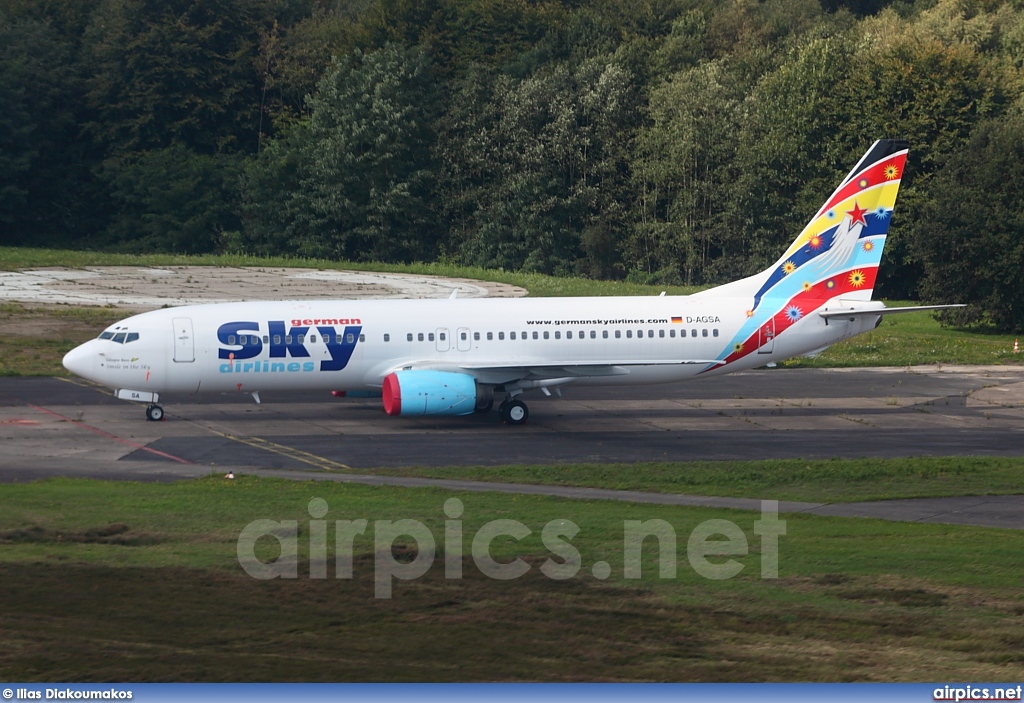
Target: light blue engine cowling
x,y
429,393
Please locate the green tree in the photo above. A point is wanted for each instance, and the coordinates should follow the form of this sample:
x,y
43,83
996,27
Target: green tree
x,y
683,173
44,178
355,179
791,151
970,237
176,71
173,200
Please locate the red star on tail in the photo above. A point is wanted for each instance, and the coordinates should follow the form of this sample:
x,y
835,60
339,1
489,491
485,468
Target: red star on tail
x,y
857,215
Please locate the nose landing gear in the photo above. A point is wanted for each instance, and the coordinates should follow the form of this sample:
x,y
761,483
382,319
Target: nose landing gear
x,y
154,413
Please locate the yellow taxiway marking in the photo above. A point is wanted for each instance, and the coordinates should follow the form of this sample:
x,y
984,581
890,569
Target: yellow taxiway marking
x,y
319,462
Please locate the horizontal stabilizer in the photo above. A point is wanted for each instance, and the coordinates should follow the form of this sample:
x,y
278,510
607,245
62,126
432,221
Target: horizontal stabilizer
x,y
875,312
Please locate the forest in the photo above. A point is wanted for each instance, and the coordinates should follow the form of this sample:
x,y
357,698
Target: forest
x,y
659,141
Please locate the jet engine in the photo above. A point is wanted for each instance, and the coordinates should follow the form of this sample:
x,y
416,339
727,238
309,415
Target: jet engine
x,y
430,393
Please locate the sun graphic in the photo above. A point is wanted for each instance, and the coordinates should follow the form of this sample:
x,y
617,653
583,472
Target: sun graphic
x,y
863,183
881,212
815,241
856,279
738,347
830,285
750,313
788,267
830,214
794,313
807,286
868,246
891,171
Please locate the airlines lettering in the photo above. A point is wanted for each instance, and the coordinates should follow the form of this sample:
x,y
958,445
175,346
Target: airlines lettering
x,y
241,340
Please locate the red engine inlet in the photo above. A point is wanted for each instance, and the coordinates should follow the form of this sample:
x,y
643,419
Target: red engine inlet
x,y
392,395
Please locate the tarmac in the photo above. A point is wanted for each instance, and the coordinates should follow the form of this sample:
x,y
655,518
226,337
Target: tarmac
x,y
62,427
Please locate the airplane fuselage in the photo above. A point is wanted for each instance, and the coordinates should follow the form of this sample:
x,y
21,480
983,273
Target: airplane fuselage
x,y
352,345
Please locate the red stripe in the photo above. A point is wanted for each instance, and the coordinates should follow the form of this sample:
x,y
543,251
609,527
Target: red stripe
x,y
874,176
808,301
110,436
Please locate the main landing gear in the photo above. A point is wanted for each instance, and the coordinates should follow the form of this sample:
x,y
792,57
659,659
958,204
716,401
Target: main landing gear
x,y
513,411
154,413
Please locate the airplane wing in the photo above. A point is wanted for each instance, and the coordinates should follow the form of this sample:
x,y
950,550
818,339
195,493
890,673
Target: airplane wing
x,y
874,312
498,373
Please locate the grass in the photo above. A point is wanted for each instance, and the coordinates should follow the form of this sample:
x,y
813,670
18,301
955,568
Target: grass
x,y
912,339
35,338
139,582
818,481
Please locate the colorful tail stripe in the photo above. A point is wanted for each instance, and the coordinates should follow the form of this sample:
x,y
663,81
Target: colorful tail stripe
x,y
837,253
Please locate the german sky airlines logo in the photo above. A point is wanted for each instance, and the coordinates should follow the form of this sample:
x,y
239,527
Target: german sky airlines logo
x,y
243,344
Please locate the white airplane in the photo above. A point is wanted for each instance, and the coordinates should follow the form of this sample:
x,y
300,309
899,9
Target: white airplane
x,y
450,357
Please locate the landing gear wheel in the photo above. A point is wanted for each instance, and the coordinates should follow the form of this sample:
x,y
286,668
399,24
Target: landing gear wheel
x,y
514,412
154,413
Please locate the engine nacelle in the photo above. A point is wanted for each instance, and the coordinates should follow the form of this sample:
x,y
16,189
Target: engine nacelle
x,y
429,393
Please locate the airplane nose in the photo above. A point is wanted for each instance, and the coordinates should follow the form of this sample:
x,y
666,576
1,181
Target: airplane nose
x,y
81,360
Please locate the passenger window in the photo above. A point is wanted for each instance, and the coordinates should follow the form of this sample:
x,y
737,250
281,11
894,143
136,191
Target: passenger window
x,y
420,337
523,335
535,335
302,339
604,334
277,339
287,339
231,338
387,337
593,334
640,334
476,336
650,333
661,333
714,332
618,334
119,338
501,335
568,335
512,335
327,339
443,336
312,339
430,336
408,337
490,336
693,333
672,334
266,339
350,338
362,338
463,336
132,336
558,335
704,332
629,334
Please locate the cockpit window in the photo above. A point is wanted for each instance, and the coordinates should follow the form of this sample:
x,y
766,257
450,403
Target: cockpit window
x,y
106,335
119,337
132,336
